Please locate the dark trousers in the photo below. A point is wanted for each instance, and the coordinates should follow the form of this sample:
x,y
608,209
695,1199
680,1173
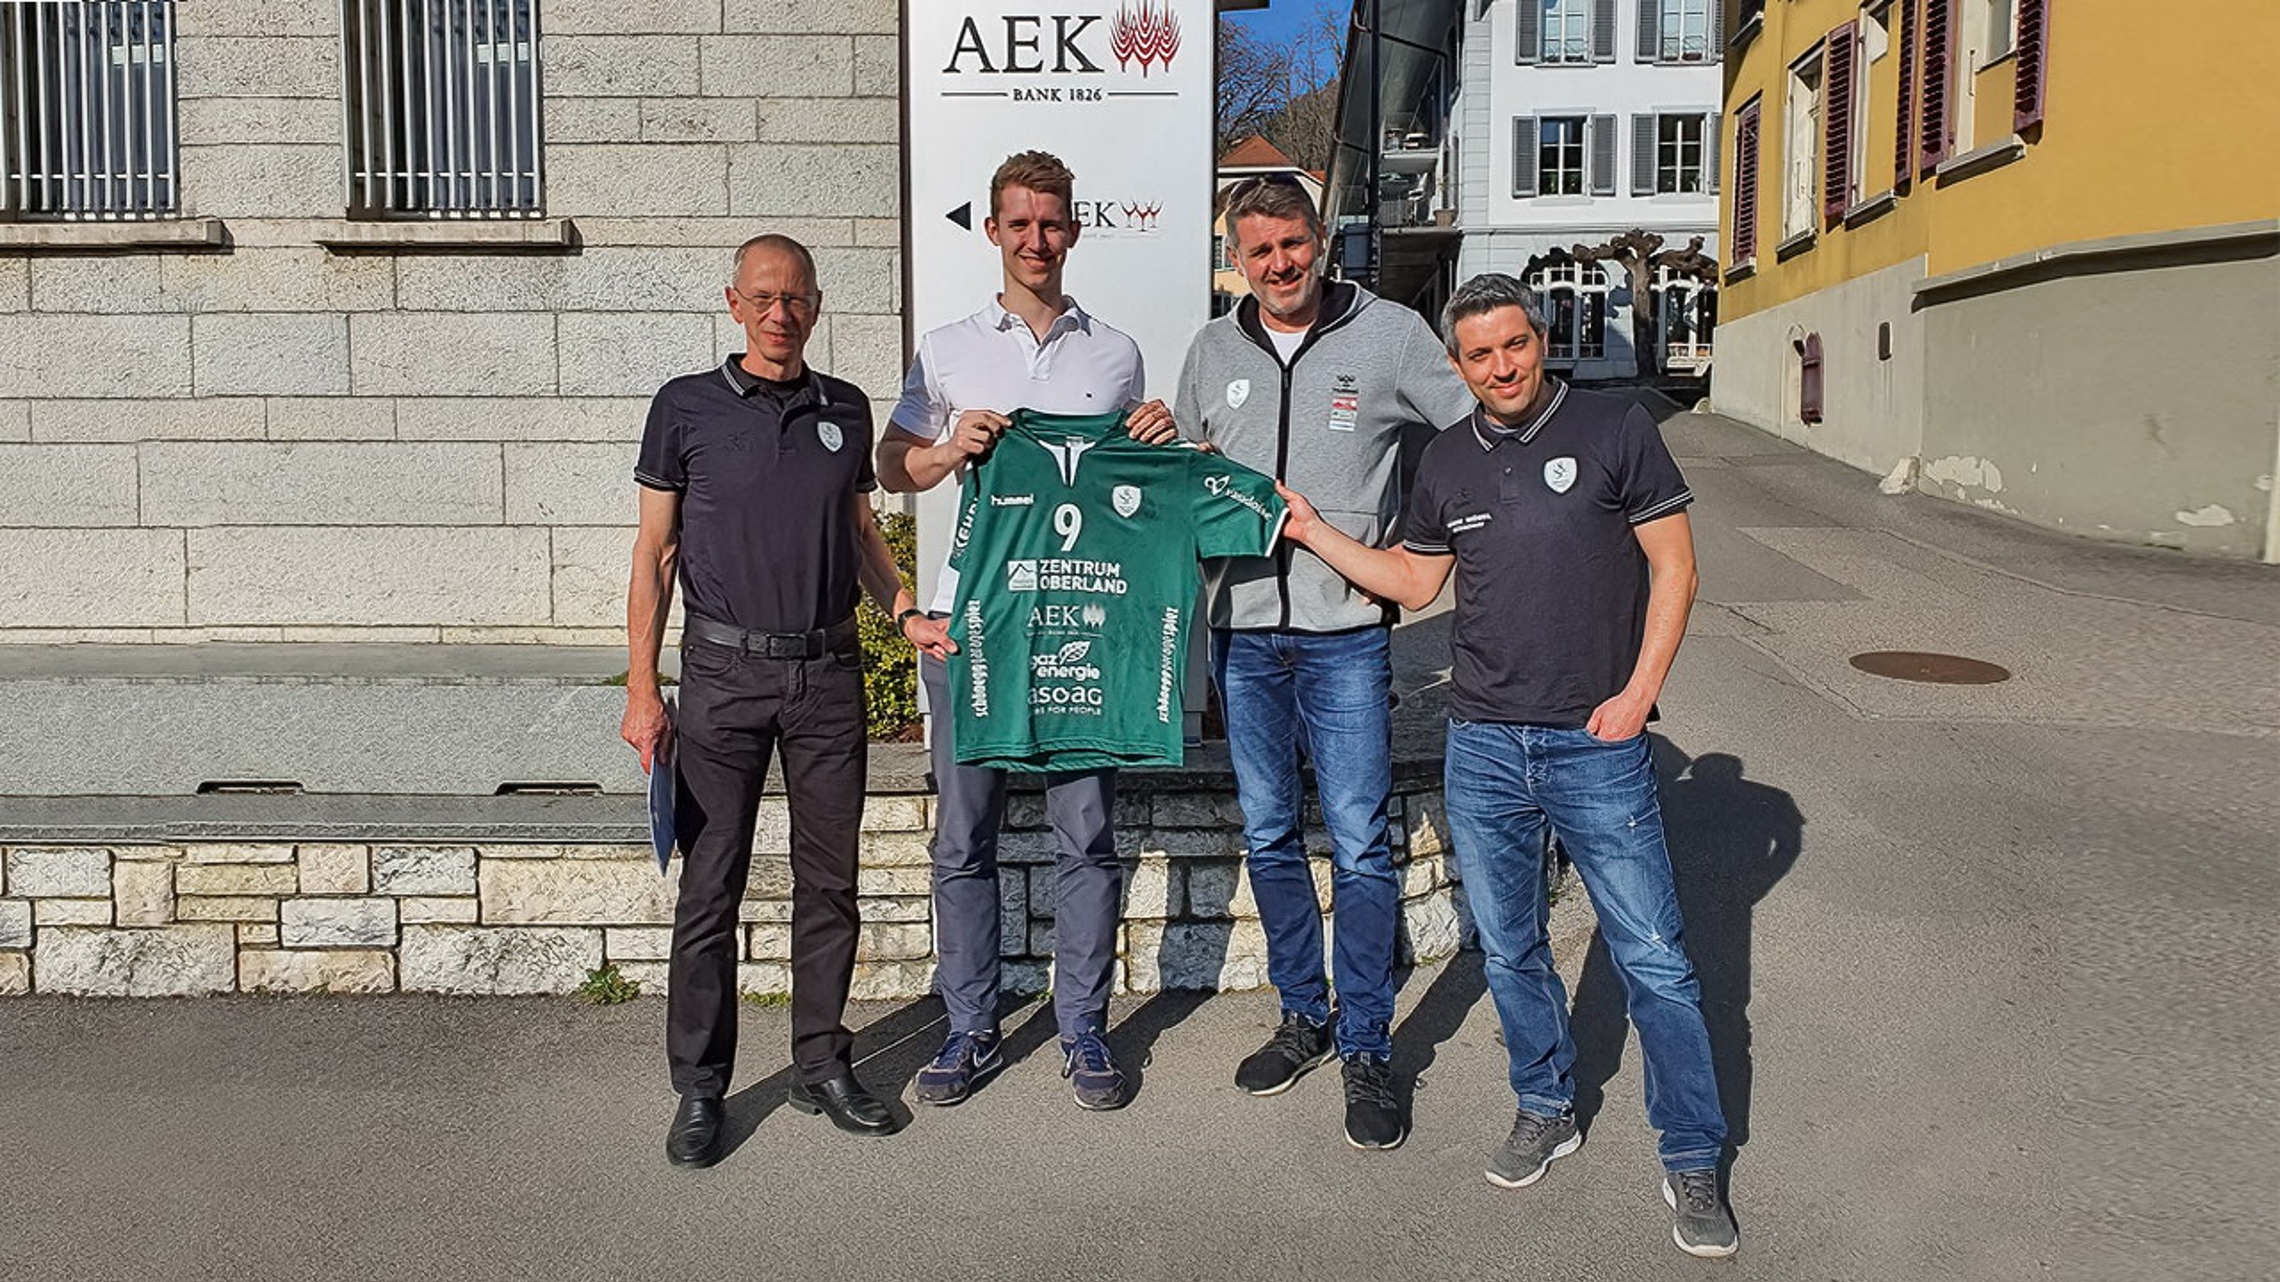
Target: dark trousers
x,y
1088,883
736,710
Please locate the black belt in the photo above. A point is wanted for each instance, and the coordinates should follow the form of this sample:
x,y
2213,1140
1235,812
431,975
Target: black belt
x,y
769,645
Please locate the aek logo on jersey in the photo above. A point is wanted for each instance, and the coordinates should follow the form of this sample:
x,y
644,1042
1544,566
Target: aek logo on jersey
x,y
1065,664
1140,35
1066,574
1090,618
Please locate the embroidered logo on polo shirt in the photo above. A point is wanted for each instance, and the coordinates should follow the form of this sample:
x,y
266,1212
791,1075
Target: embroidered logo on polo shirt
x,y
1238,392
1559,473
827,432
1466,524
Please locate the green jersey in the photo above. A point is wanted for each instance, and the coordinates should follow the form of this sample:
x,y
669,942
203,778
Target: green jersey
x,y
1076,561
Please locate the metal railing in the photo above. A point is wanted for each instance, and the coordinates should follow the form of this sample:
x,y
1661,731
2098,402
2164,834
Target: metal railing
x,y
87,109
442,108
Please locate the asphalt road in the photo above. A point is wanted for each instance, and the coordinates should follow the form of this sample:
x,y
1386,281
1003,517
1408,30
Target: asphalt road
x,y
1987,970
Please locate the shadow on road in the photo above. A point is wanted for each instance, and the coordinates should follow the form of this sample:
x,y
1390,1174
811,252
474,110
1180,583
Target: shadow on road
x,y
1731,840
1436,1017
888,1052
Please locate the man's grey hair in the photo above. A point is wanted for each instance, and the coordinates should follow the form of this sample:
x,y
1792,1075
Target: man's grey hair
x,y
1484,294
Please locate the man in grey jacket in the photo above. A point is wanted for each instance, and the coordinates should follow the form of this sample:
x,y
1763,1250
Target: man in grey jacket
x,y
1316,383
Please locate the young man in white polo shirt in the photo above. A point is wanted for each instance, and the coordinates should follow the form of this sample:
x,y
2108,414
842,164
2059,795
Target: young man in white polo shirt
x,y
1033,348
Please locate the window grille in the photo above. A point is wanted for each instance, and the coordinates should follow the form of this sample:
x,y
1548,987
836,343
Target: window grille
x,y
87,109
442,102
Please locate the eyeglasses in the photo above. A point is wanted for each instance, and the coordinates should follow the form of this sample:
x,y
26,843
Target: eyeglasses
x,y
1244,189
801,306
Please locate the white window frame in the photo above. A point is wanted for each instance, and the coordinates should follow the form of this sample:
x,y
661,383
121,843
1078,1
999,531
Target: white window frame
x,y
1801,146
449,126
87,110
1583,286
1671,154
1567,33
1684,20
1675,290
1872,44
1582,148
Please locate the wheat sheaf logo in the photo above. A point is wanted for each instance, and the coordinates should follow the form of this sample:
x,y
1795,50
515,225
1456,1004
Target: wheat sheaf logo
x,y
1147,33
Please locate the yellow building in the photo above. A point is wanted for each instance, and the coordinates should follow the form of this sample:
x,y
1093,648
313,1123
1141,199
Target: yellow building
x,y
2024,254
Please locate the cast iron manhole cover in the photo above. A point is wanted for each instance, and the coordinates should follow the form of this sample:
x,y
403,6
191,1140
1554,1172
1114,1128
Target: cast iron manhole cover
x,y
1939,669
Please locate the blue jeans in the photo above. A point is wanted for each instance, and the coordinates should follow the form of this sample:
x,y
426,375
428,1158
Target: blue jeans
x,y
1330,687
1505,785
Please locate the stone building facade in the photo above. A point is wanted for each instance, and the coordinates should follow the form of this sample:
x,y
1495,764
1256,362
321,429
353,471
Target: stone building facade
x,y
259,419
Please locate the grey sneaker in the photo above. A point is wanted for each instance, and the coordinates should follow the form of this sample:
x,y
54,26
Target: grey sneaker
x,y
965,1059
1535,1141
1701,1224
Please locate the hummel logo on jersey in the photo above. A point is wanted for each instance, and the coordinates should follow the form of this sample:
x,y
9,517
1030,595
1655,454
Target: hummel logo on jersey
x,y
1126,498
1012,500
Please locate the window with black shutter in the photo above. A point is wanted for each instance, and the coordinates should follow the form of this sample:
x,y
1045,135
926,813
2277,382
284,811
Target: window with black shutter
x,y
1904,136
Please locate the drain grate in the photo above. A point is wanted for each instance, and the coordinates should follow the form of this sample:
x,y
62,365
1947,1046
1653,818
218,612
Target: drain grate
x,y
1936,669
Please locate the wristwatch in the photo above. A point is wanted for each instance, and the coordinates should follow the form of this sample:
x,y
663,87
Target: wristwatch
x,y
905,617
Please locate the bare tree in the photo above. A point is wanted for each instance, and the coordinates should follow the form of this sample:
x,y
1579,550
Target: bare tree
x,y
1254,83
1285,93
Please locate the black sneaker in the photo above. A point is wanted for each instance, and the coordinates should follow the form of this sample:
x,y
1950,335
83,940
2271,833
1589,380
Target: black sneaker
x,y
1701,1224
1373,1113
1094,1079
1535,1141
1297,1046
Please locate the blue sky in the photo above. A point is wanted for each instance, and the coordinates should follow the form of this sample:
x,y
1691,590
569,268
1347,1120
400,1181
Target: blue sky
x,y
1282,19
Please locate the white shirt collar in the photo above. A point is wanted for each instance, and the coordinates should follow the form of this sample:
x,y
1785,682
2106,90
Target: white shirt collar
x,y
1073,317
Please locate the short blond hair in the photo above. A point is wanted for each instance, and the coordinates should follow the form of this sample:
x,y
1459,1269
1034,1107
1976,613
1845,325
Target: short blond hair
x,y
1040,171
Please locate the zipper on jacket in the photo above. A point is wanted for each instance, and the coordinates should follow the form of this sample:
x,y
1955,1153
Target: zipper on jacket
x,y
1282,437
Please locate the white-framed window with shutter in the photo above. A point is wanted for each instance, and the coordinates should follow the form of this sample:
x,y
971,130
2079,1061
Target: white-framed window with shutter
x,y
1575,300
1686,310
1565,32
87,110
1672,153
443,108
1680,31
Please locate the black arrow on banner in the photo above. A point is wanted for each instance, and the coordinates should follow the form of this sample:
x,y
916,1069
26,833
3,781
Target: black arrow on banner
x,y
963,215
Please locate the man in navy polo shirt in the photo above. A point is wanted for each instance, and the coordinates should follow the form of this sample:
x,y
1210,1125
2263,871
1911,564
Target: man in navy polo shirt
x,y
1564,519
754,481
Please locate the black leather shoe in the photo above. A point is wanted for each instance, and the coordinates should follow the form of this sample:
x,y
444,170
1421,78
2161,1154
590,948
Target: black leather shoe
x,y
846,1103
694,1140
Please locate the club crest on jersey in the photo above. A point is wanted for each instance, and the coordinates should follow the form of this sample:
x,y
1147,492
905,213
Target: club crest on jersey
x,y
1559,473
827,432
1238,392
1126,499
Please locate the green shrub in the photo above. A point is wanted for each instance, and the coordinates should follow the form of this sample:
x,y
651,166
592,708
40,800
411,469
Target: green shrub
x,y
608,987
890,665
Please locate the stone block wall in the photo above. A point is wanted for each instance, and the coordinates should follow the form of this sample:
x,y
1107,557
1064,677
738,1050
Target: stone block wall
x,y
274,441
502,919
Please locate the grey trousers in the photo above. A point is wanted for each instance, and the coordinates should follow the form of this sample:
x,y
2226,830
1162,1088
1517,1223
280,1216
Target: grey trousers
x,y
1088,882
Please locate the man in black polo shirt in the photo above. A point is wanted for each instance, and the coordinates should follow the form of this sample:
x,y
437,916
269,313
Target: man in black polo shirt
x,y
1564,519
754,480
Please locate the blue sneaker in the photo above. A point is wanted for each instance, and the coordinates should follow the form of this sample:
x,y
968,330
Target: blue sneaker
x,y
964,1060
1093,1076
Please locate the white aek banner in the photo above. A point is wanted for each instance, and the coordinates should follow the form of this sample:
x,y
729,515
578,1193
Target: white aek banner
x,y
1122,92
